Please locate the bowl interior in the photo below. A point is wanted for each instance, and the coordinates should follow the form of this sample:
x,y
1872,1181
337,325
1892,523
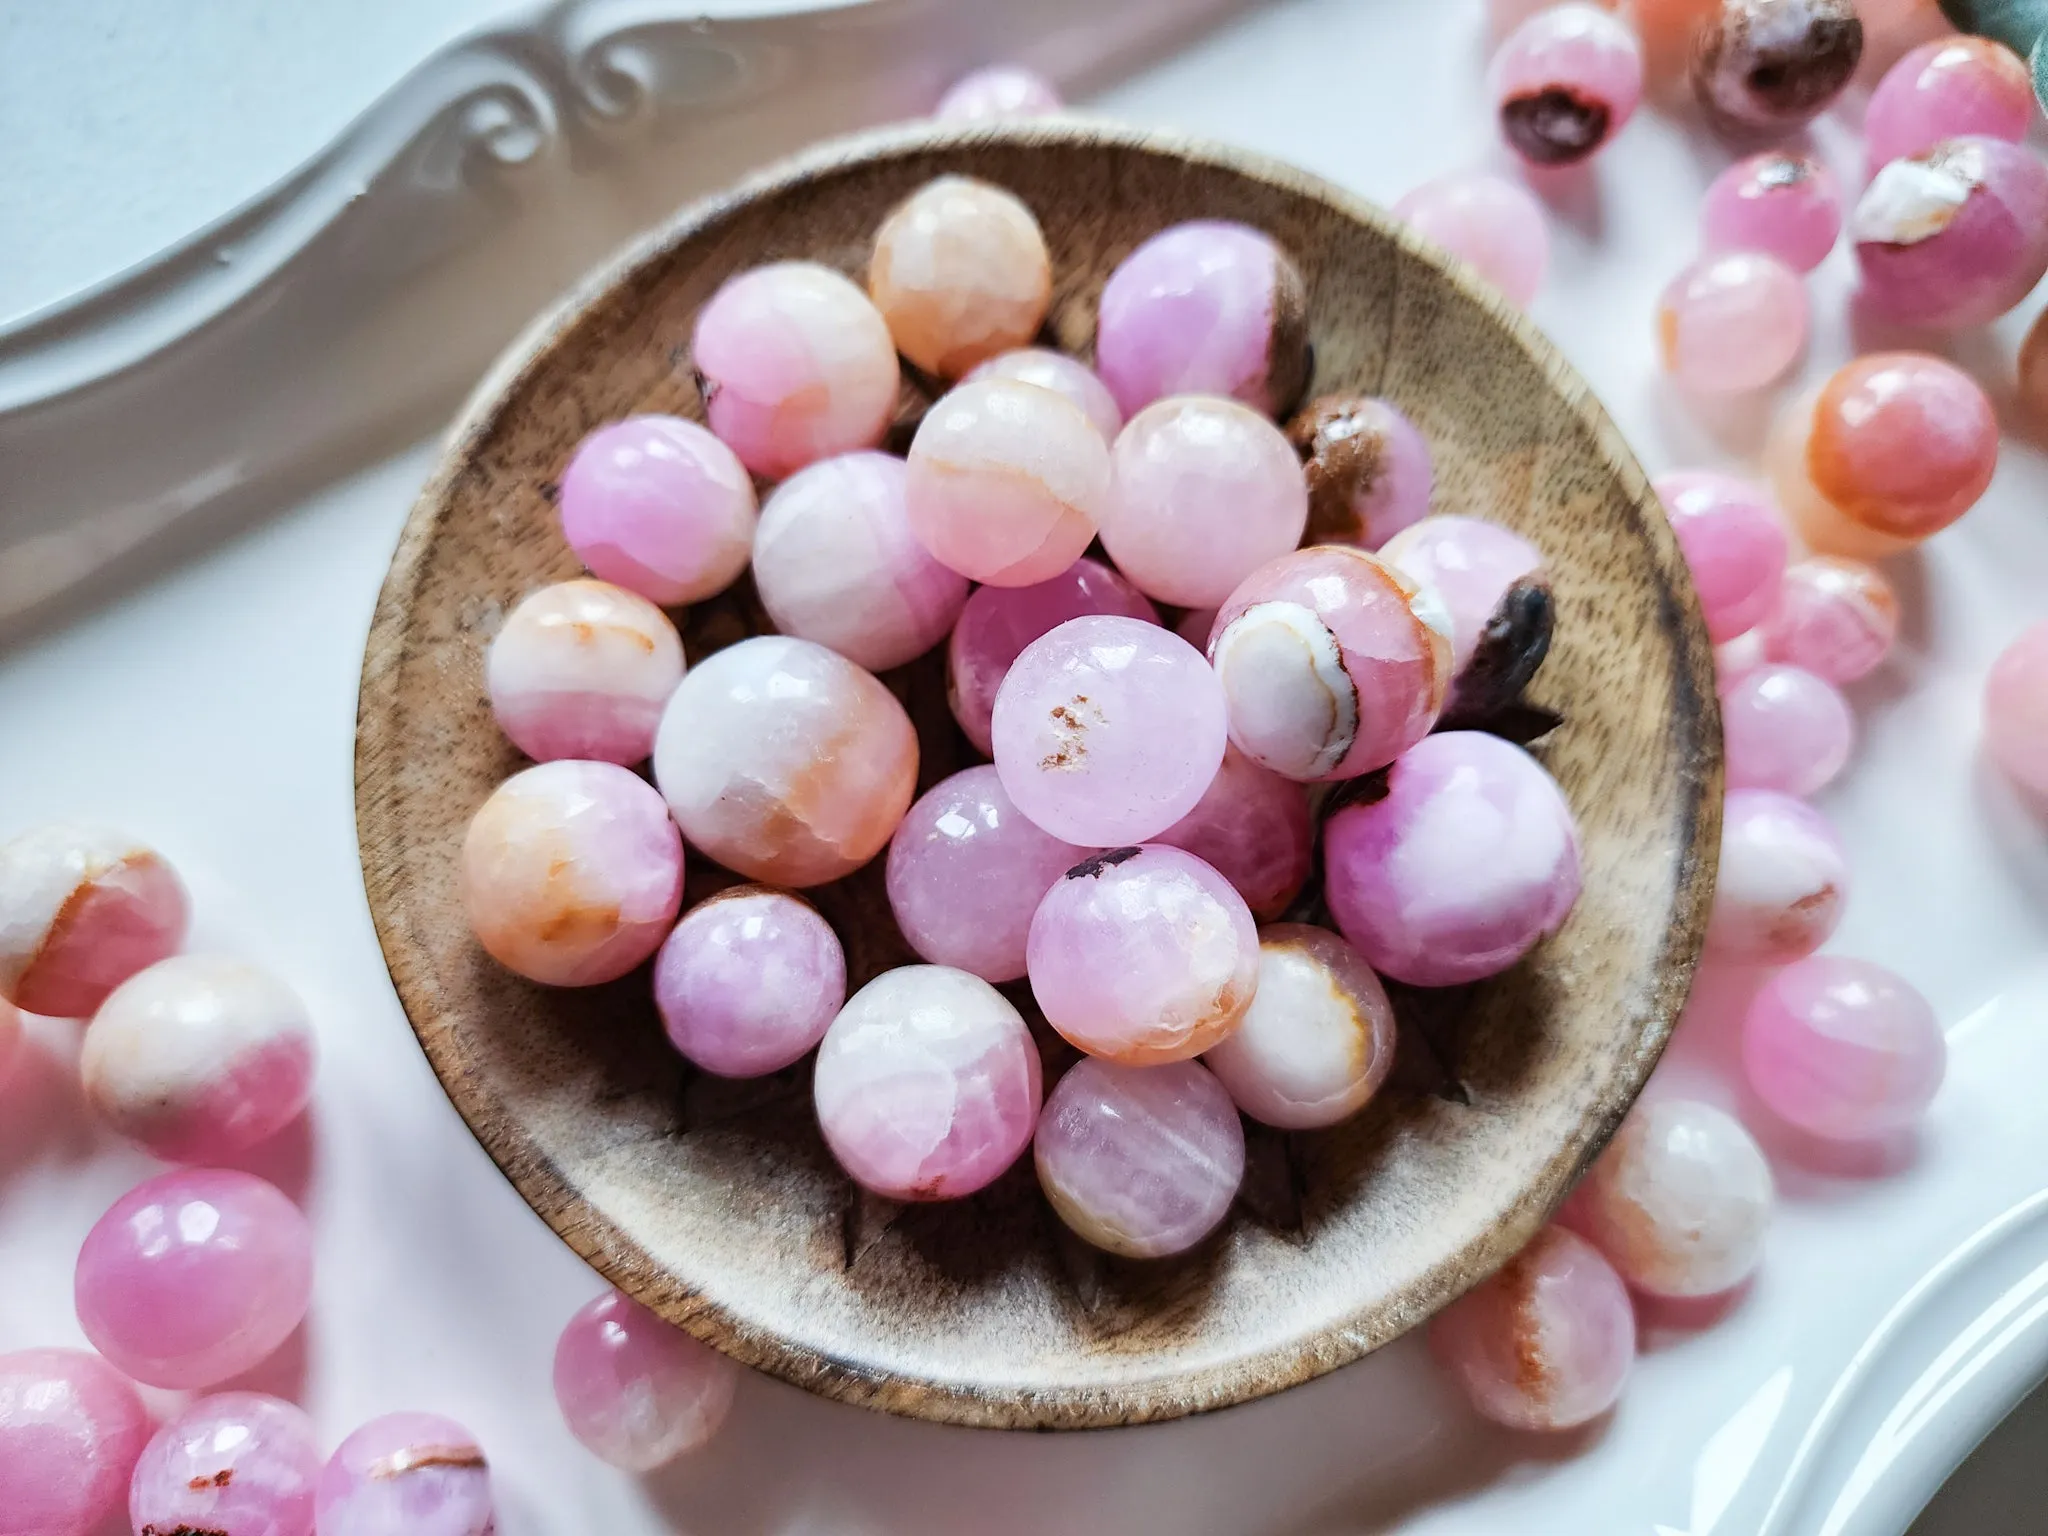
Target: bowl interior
x,y
716,1203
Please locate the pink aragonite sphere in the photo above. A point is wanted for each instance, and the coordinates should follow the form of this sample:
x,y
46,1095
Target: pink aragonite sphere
x,y
1680,1202
1143,955
961,273
796,365
70,1430
998,622
1007,482
1253,828
571,873
967,869
749,980
194,1276
1946,89
1565,81
1470,857
1494,587
1784,729
785,762
1061,374
637,1392
1210,308
928,1084
998,90
1732,323
1785,205
1140,1161
2016,709
1734,545
582,669
82,908
835,562
1843,1049
1954,236
199,1057
1782,882
659,506
1318,1039
1203,492
1332,663
1495,224
1548,1342
1834,618
240,1464
1369,471
406,1474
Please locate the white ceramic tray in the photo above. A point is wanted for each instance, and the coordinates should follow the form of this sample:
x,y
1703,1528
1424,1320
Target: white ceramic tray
x,y
1903,1309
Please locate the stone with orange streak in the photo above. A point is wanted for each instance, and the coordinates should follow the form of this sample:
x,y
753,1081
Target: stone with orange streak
x,y
82,908
961,273
583,669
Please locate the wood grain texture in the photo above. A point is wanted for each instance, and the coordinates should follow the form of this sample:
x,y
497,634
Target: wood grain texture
x,y
716,1203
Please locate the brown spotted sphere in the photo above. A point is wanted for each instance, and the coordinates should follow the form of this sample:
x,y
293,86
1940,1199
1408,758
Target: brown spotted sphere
x,y
1766,66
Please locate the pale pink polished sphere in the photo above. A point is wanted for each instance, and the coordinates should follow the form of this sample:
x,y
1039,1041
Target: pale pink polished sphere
x,y
1007,483
961,273
928,1084
749,980
1834,618
407,1474
998,622
1548,1342
1944,90
1495,224
1207,307
1332,662
1734,546
835,562
1565,81
1732,323
797,365
1785,205
582,669
240,1464
82,908
199,1057
967,869
1369,470
1108,730
1204,491
999,90
1140,1161
1487,579
70,1430
1843,1049
1785,729
1318,1039
1782,882
1061,374
785,762
571,873
659,506
2016,709
1954,236
637,1392
1680,1202
194,1276
1469,859
1143,955
1251,826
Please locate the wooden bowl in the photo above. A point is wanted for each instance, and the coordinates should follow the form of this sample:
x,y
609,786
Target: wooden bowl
x,y
716,1203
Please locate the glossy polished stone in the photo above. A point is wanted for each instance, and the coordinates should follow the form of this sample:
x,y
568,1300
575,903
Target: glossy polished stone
x,y
1368,468
1953,237
1734,544
1495,224
1785,205
582,669
1251,826
407,1474
71,1427
1783,879
659,506
1732,323
748,981
1061,374
1844,1049
1565,82
1835,618
239,1464
82,908
635,1391
961,273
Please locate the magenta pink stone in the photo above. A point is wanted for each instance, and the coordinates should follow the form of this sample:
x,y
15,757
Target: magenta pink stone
x,y
407,1474
1369,469
661,507
70,1430
1469,859
998,622
1495,224
1061,374
194,1276
1944,90
583,669
1732,323
1472,566
1207,307
1953,236
1566,81
1253,828
1140,1161
1843,1049
1782,882
1108,730
1734,544
637,1392
1548,1342
240,1464
999,90
749,980
2016,709
1835,618
967,870
1785,729
82,908
928,1084
1785,205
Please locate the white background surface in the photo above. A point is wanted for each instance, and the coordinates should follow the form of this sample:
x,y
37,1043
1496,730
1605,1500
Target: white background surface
x,y
214,714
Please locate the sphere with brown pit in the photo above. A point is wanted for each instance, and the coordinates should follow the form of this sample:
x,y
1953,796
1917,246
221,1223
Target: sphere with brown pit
x,y
1369,470
1768,66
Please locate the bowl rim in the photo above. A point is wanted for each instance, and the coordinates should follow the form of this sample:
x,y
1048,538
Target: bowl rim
x,y
616,1256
